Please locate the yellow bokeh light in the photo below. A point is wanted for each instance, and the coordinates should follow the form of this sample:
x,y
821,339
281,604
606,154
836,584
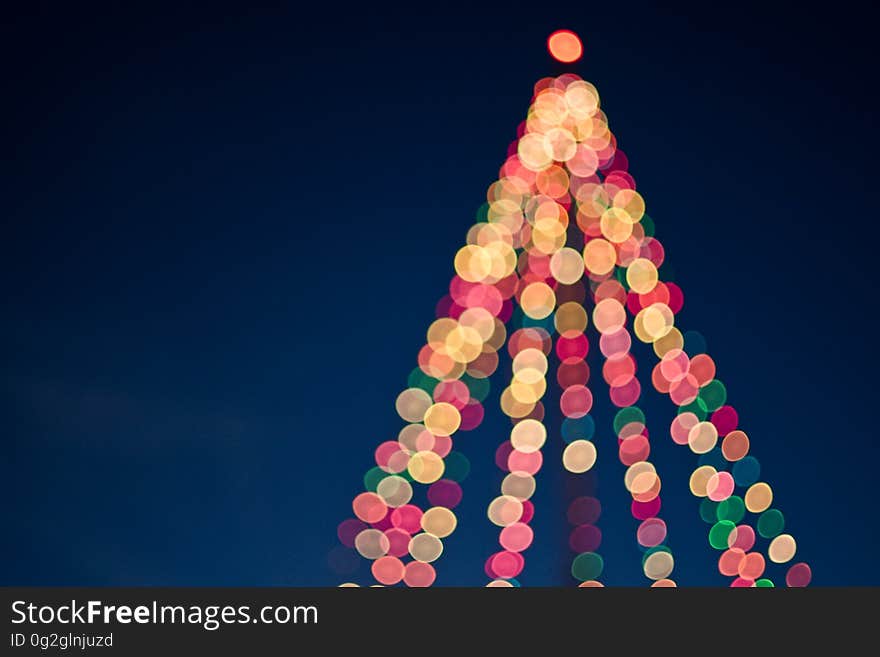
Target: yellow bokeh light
x,y
759,497
535,151
425,547
616,225
537,300
439,521
529,359
609,316
659,565
636,469
700,478
782,548
582,99
672,340
442,419
562,144
505,510
600,256
579,456
702,437
512,407
425,467
473,263
653,323
570,316
463,344
631,202
641,275
528,435
567,266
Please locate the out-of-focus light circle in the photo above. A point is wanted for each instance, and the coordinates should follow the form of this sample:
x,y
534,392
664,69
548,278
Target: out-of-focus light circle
x,y
641,275
398,540
742,536
576,401
585,538
759,497
520,485
412,403
730,560
798,575
505,510
408,518
425,547
752,566
567,266
609,316
658,565
771,523
720,486
587,566
516,537
570,316
600,256
445,492
565,46
700,479
426,467
651,533
537,300
720,533
735,445
419,574
733,509
782,548
579,456
369,507
388,570
372,544
528,436
442,419
396,491
439,521
702,437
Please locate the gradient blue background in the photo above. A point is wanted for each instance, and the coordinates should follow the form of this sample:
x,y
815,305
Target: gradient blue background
x,y
225,231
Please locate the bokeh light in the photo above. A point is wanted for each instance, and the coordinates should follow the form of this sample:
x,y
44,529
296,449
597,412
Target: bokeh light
x,y
562,250
565,46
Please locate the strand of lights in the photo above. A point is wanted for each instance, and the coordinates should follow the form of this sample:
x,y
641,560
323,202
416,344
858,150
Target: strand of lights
x,y
565,149
563,127
578,429
723,470
641,478
619,239
520,456
445,395
691,385
529,347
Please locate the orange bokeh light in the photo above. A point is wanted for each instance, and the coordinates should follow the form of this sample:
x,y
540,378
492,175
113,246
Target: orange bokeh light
x,y
565,46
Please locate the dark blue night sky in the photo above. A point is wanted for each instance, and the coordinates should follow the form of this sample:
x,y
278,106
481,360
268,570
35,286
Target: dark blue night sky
x,y
225,232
